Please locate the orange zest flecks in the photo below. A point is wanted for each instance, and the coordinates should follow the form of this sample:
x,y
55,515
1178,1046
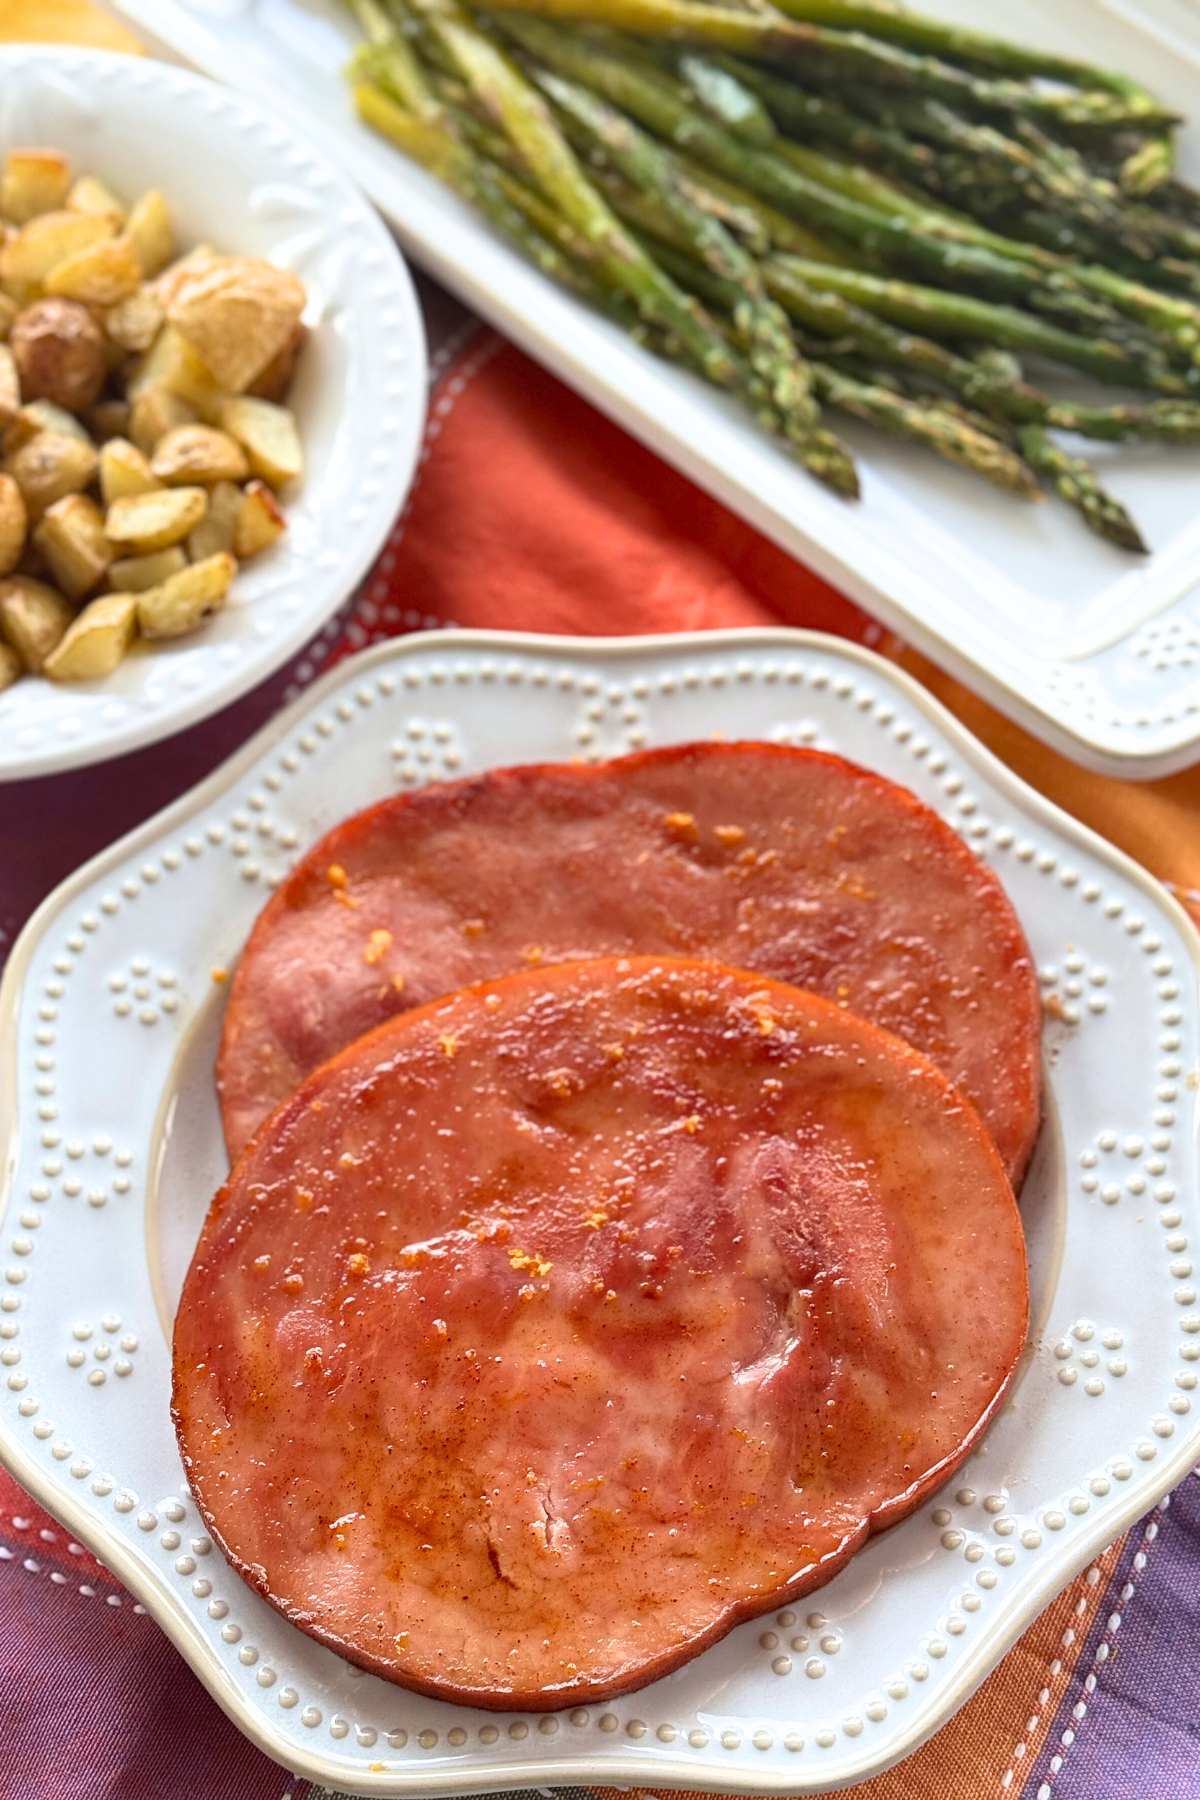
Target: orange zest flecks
x,y
219,975
358,1264
729,834
472,928
533,953
594,1220
302,1199
378,945
682,824
293,1283
262,1263
339,884
614,1052
529,1259
449,1043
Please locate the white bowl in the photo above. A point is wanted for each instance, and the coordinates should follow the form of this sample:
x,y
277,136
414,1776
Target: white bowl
x,y
246,179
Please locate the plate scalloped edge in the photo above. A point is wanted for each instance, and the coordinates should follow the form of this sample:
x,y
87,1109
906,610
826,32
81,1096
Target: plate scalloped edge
x,y
607,710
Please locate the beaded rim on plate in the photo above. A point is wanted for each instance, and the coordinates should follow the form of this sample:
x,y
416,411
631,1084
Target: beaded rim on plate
x,y
996,1551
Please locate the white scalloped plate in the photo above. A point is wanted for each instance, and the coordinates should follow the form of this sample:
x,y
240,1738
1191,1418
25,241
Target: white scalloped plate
x,y
1094,650
109,1016
238,173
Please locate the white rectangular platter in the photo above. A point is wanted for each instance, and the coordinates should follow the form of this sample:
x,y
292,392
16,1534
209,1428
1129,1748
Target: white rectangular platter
x,y
110,1148
1096,651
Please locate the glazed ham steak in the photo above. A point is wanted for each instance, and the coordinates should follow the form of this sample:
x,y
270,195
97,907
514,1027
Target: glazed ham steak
x,y
786,862
554,1328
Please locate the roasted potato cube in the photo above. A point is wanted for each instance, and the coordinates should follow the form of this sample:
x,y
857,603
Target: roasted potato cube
x,y
135,322
10,386
41,415
260,522
89,195
8,312
198,453
101,275
35,181
28,258
108,419
33,618
154,413
151,232
268,435
200,256
49,466
71,538
218,527
145,522
14,523
124,471
134,574
172,363
11,666
59,350
273,382
97,640
186,600
237,313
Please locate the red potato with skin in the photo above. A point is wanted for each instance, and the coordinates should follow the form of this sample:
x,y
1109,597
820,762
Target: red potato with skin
x,y
556,1327
798,865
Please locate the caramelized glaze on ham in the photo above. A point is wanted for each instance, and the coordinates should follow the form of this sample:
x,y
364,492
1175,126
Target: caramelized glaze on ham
x,y
554,1328
795,864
